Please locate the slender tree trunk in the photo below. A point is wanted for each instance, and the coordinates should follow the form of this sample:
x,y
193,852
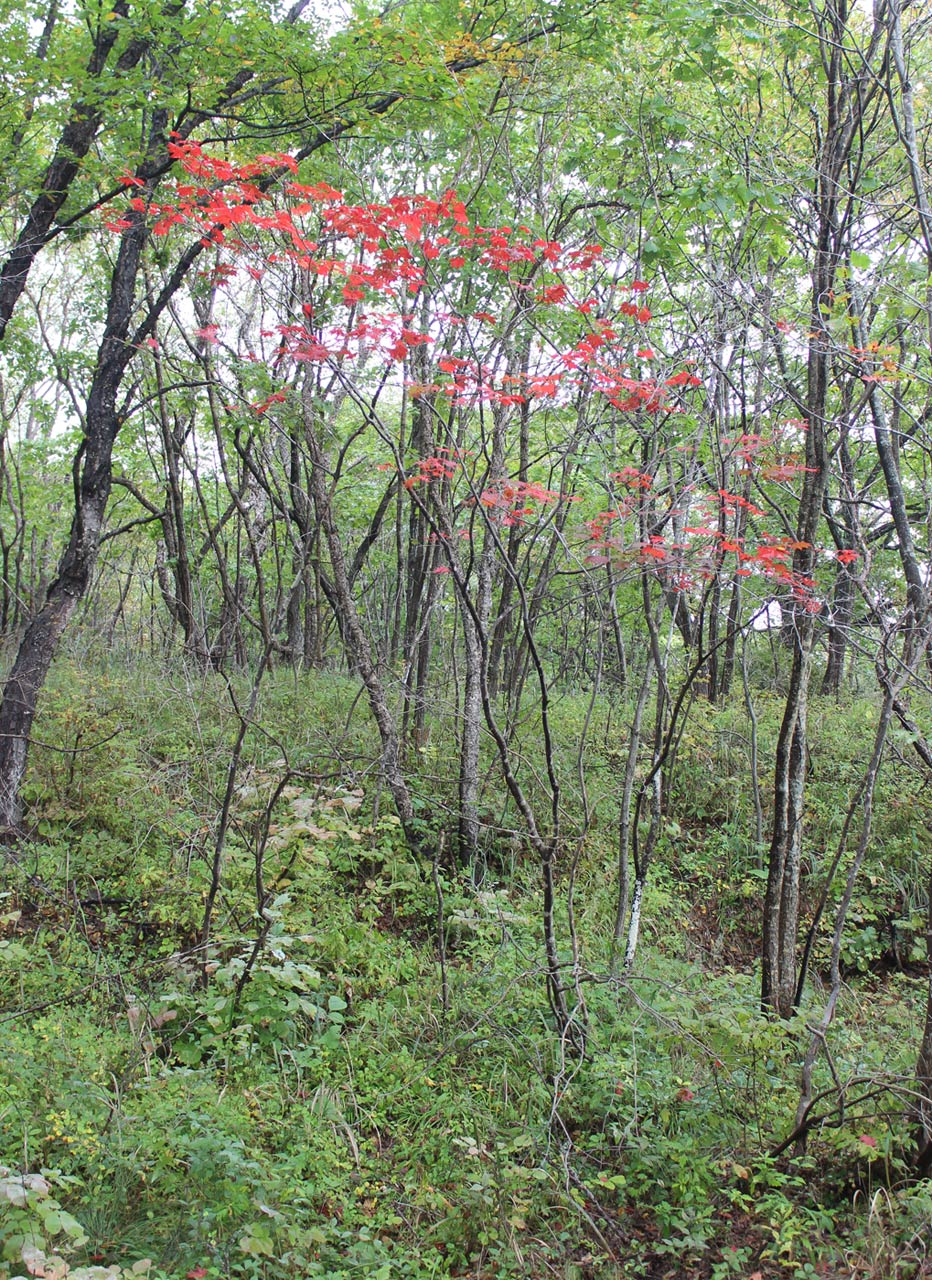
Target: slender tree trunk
x,y
847,96
842,613
354,635
624,817
93,479
781,904
475,627
506,603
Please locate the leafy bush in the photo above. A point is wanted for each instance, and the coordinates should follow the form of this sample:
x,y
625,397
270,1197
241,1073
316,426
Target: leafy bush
x,y
33,1222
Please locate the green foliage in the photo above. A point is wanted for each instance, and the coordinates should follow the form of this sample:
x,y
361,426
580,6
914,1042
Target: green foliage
x,y
33,1223
326,1117
351,1067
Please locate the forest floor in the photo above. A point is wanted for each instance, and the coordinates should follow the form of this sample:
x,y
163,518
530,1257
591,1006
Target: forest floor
x,y
321,1092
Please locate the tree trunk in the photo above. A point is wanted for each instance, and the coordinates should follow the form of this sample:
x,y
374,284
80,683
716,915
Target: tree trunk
x,y
848,95
359,650
475,630
781,903
40,640
93,480
842,613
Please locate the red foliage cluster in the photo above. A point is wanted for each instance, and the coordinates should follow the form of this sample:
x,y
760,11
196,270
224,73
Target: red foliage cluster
x,y
365,263
700,552
514,500
384,253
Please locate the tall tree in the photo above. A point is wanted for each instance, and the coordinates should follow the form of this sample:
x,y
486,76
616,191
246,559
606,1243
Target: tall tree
x,y
175,98
851,61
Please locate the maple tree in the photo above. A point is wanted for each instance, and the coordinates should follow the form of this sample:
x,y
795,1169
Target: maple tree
x,y
382,283
412,294
573,410
379,287
114,98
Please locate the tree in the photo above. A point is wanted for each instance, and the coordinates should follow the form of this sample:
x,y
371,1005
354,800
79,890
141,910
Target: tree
x,y
412,282
165,105
852,87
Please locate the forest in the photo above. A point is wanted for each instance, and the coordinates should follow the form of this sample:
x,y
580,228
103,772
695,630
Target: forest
x,y
466,640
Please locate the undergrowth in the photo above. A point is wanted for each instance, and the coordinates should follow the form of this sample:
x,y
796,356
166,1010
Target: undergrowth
x,y
312,1106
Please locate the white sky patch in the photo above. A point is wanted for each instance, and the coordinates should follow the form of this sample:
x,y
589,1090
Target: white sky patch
x,y
333,15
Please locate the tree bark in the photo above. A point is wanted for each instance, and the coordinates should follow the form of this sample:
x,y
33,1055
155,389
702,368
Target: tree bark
x,y
93,480
475,630
847,96
75,142
359,650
